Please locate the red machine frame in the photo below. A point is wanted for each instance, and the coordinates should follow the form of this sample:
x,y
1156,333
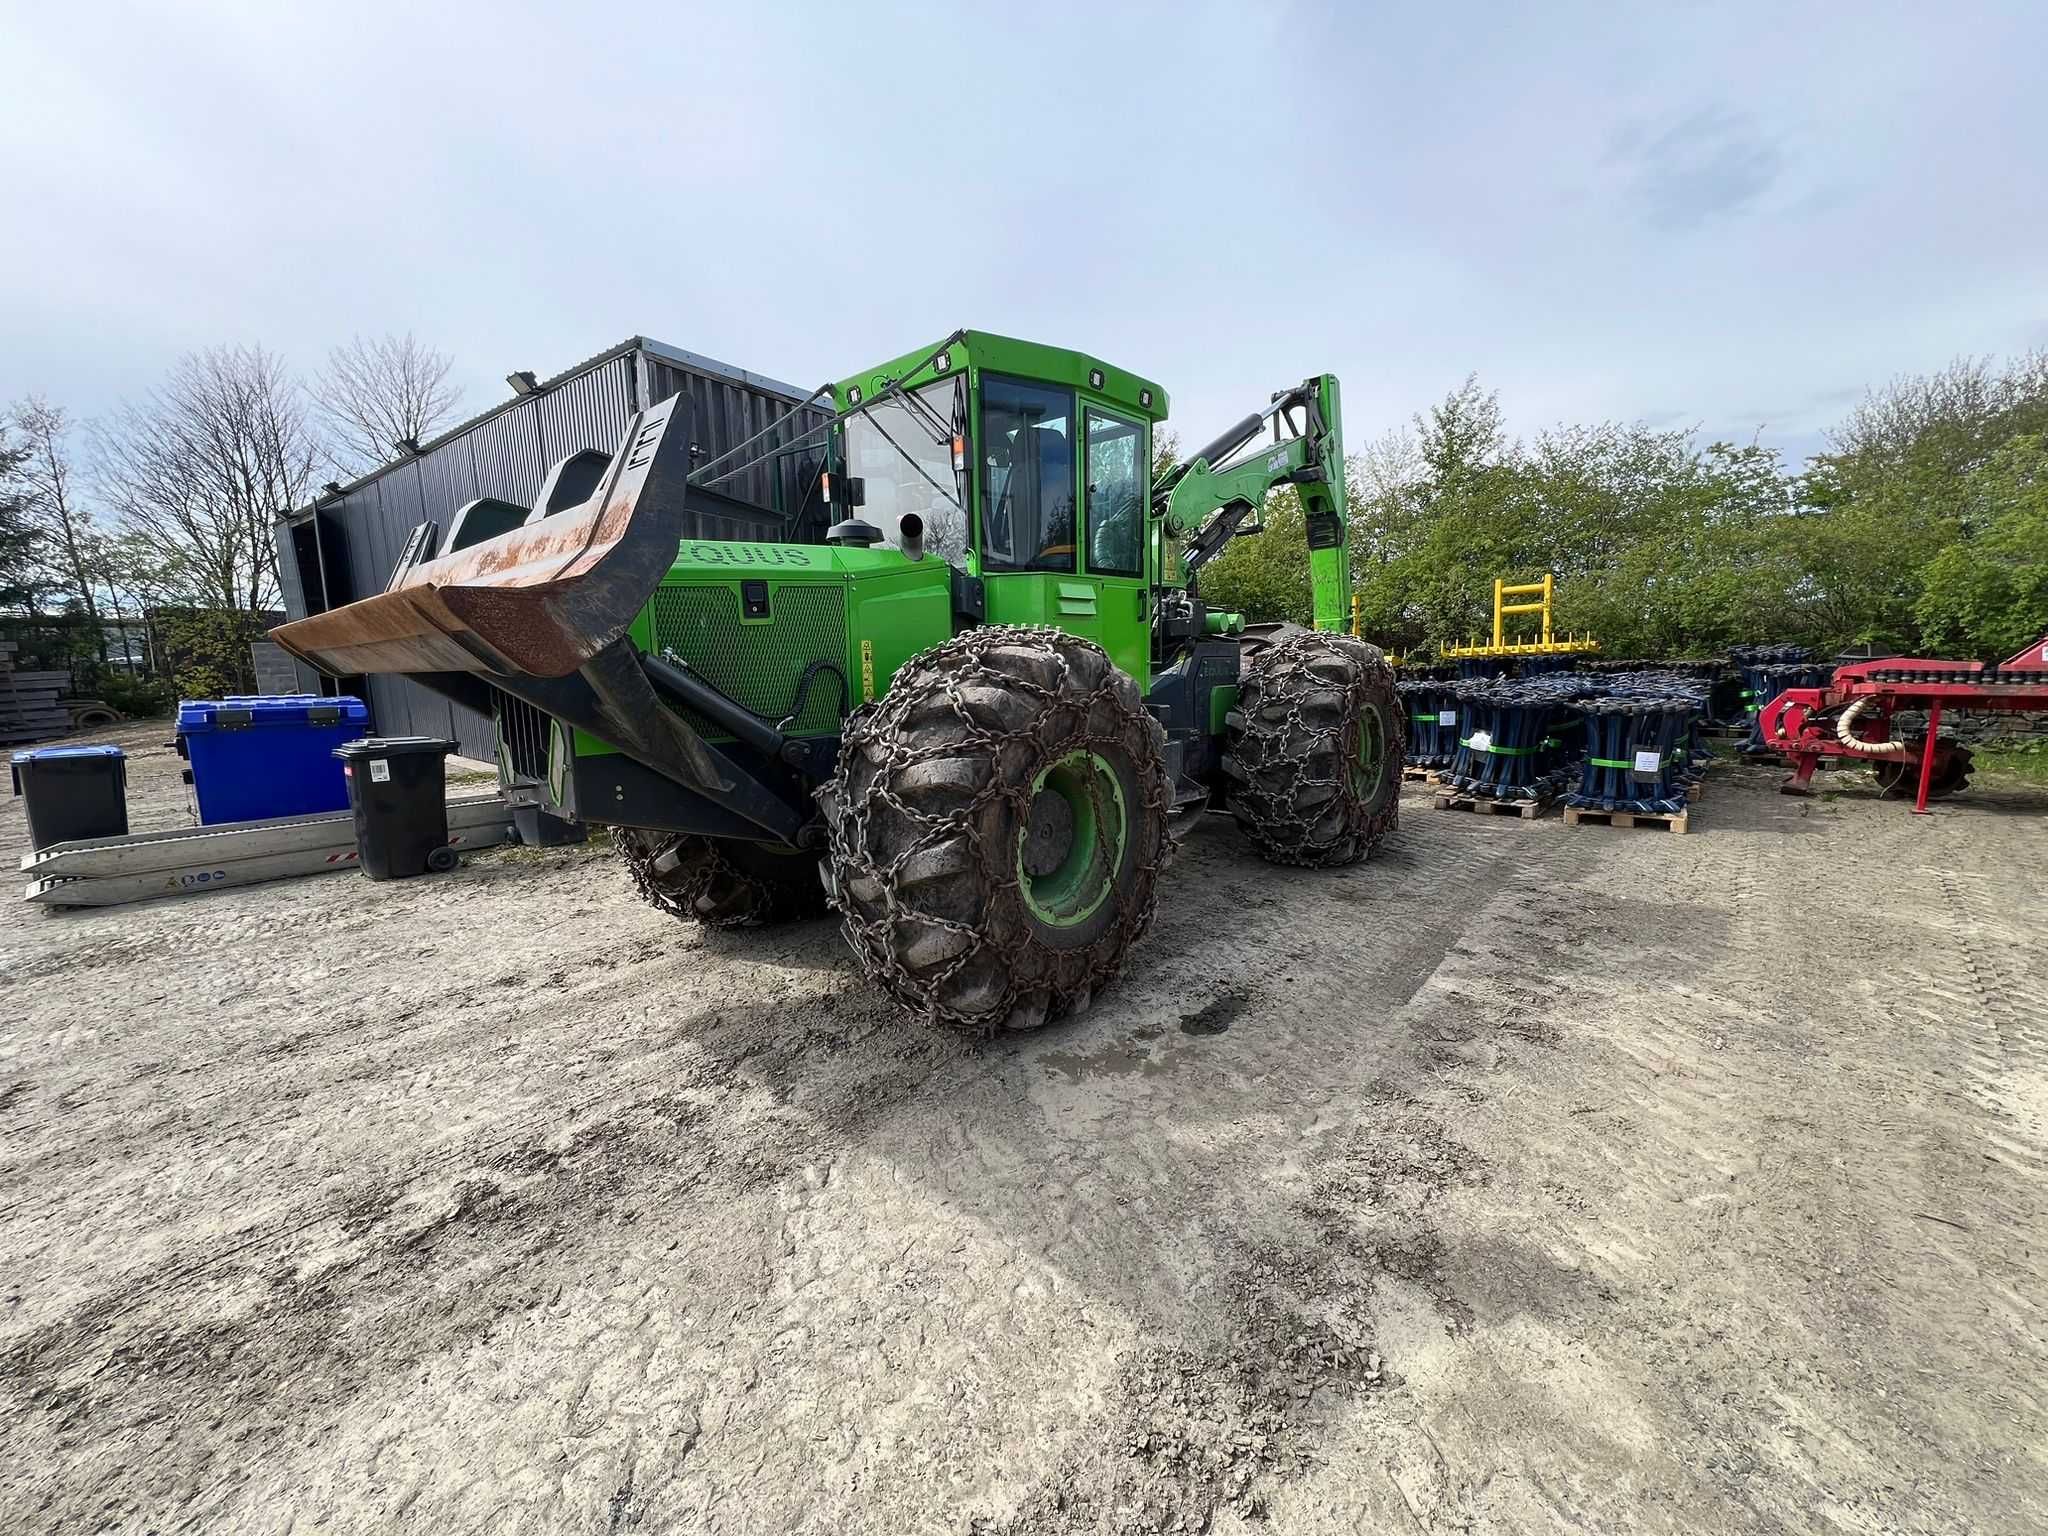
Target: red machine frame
x,y
1807,724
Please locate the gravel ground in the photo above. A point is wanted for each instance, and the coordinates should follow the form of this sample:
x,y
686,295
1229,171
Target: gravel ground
x,y
1524,1179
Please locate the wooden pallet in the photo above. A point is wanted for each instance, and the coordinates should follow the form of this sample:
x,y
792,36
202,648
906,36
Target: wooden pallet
x,y
1421,775
1577,816
1527,810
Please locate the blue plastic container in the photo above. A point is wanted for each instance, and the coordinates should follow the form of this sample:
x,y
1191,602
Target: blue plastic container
x,y
257,756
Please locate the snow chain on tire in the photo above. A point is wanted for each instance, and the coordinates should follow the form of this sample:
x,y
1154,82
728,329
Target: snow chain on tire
x,y
719,883
1304,710
943,841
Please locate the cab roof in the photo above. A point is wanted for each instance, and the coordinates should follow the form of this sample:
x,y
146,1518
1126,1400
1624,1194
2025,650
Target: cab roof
x,y
1007,354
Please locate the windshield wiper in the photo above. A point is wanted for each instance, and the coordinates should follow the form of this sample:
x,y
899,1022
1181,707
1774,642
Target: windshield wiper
x,y
952,496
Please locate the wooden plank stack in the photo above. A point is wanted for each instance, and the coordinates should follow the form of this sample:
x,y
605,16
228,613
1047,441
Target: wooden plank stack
x,y
29,710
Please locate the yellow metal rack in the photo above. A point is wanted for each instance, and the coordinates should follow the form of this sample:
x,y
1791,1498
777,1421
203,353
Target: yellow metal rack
x,y
1549,645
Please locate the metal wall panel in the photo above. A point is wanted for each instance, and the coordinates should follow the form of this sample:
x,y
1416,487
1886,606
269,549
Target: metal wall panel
x,y
288,581
726,414
447,482
505,455
590,411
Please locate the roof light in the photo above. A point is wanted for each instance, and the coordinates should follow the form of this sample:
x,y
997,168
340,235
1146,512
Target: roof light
x,y
1145,397
853,395
943,361
1095,378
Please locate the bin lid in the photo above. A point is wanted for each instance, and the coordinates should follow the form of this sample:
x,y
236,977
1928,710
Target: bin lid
x,y
246,709
394,746
34,753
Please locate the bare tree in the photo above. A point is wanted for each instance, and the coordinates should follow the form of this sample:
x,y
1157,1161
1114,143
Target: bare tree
x,y
20,573
379,392
200,472
63,527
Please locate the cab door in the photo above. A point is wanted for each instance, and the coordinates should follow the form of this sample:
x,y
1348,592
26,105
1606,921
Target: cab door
x,y
1116,465
1063,516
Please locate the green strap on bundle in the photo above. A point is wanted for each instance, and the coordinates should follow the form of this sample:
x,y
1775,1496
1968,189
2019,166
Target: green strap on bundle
x,y
1625,763
1466,741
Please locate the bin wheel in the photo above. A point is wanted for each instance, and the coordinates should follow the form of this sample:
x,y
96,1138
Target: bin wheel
x,y
443,859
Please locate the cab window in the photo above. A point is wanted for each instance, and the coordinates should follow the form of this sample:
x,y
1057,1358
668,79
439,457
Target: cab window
x,y
902,450
1028,479
1116,494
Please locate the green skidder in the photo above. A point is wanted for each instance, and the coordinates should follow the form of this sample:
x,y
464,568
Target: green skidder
x,y
962,703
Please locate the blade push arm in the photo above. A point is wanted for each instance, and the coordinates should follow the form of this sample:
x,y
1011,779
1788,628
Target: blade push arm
x,y
1204,504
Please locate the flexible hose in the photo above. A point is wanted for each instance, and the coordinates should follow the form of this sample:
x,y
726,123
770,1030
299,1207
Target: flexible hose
x,y
1845,733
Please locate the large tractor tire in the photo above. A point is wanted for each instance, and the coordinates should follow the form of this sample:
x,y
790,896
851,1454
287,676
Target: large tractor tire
x,y
721,882
996,828
1315,748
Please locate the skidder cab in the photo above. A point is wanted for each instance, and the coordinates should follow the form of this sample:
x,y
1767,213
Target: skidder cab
x,y
963,700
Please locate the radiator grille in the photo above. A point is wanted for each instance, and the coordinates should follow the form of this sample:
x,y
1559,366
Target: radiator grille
x,y
758,666
522,741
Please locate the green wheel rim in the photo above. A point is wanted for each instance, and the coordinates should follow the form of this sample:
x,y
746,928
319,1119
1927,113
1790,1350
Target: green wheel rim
x,y
1372,750
1080,881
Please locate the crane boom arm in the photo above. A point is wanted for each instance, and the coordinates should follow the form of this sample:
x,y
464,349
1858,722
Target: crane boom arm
x,y
1203,503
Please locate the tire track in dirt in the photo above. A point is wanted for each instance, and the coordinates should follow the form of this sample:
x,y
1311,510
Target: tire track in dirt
x,y
1305,1293
281,1319
1723,1103
694,1062
830,1273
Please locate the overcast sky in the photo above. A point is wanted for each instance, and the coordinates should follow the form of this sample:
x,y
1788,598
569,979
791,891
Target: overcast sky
x,y
1718,215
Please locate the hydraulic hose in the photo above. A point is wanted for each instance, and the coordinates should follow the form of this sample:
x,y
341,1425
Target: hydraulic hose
x,y
1845,730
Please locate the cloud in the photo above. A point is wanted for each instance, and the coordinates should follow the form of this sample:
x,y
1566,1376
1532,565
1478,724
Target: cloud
x,y
1705,166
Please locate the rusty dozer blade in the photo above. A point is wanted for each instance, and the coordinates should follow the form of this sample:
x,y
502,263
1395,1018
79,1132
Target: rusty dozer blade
x,y
543,599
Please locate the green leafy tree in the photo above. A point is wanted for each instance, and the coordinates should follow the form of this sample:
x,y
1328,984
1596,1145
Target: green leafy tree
x,y
1986,595
1264,575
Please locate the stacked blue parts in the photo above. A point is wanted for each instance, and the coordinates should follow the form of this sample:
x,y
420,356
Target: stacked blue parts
x,y
1474,668
1622,741
1640,754
1510,745
1431,706
1767,671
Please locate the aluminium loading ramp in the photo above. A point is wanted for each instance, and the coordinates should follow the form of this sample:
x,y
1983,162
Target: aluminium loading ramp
x,y
108,871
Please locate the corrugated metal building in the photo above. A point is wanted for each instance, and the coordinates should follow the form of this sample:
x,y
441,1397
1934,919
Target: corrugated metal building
x,y
346,544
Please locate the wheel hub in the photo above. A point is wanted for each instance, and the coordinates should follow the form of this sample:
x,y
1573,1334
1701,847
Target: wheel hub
x,y
1372,750
1049,837
1072,841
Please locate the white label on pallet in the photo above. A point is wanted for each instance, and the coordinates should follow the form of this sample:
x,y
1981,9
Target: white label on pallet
x,y
380,771
1649,762
1447,717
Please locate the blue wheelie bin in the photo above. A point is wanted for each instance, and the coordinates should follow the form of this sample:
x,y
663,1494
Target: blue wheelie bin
x,y
263,755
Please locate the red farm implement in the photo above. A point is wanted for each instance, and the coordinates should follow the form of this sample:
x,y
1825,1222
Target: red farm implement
x,y
1852,718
